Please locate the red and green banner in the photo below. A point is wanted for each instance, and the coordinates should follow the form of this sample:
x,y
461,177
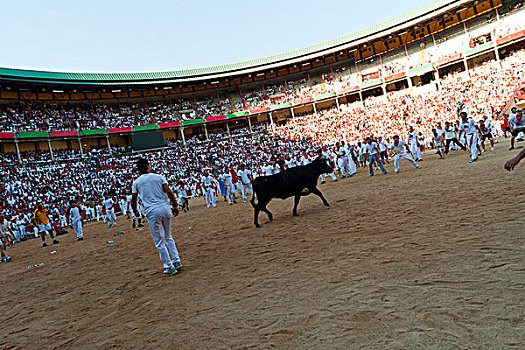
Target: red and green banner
x,y
479,48
215,118
192,122
395,76
7,135
119,130
449,59
93,132
302,101
347,90
169,125
324,96
32,134
145,127
419,70
258,110
237,114
509,38
64,133
281,106
370,83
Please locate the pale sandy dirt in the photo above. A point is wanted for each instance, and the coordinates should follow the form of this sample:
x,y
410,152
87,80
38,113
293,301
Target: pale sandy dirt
x,y
426,259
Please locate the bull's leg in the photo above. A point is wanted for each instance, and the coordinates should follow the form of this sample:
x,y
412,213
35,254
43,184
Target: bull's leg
x,y
318,193
295,204
270,215
256,215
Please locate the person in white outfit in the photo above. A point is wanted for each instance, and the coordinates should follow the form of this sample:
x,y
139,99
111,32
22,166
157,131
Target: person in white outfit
x,y
414,144
245,176
156,196
471,130
75,220
399,150
208,184
110,211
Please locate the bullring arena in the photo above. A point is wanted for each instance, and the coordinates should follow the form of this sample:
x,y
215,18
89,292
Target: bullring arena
x,y
423,259
97,168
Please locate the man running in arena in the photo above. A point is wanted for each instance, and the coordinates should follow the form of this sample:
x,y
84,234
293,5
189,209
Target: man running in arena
x,y
5,232
486,133
517,126
156,197
373,151
471,130
450,137
414,145
399,150
437,142
110,211
44,226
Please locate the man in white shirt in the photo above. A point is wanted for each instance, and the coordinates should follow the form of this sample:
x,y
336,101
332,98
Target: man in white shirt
x,y
326,154
156,196
373,151
414,144
230,188
75,220
471,130
245,176
399,150
108,204
450,136
208,186
517,126
6,234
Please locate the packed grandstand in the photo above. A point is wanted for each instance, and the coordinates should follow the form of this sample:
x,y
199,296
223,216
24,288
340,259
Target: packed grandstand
x,y
70,136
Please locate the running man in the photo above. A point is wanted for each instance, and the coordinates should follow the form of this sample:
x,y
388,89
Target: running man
x,y
156,196
517,126
437,142
471,130
399,150
486,133
44,226
110,211
373,151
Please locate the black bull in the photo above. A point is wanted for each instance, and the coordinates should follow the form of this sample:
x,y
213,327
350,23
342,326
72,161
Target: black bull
x,y
294,182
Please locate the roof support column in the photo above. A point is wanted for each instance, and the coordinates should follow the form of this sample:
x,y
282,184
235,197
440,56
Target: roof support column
x,y
109,145
250,123
50,149
182,135
81,150
18,151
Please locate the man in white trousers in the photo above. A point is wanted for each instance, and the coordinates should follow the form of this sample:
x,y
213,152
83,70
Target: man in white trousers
x,y
399,150
75,220
209,189
110,211
245,176
414,144
156,196
471,130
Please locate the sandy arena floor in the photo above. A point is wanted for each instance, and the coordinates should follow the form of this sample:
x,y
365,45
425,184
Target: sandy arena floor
x,y
426,259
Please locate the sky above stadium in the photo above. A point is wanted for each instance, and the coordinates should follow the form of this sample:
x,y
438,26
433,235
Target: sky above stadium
x,y
155,35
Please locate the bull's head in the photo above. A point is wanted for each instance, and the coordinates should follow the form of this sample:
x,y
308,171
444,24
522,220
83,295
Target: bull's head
x,y
323,165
